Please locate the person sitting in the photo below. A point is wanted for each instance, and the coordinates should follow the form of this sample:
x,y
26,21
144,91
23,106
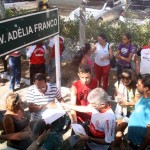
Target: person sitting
x,y
102,123
126,96
41,96
14,121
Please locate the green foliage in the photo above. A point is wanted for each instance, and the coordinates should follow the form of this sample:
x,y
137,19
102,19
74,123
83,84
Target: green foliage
x,y
113,30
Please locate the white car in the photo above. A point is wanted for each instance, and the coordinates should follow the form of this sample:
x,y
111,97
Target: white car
x,y
106,13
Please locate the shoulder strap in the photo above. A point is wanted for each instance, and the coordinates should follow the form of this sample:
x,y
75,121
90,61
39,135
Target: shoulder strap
x,y
108,46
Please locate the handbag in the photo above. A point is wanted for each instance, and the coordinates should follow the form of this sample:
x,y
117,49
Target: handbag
x,y
113,61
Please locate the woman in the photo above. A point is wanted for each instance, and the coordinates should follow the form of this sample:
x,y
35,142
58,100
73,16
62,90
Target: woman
x,y
126,96
86,58
15,122
125,53
102,60
15,69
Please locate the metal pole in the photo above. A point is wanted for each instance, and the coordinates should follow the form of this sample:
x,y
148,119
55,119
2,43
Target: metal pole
x,y
82,24
57,62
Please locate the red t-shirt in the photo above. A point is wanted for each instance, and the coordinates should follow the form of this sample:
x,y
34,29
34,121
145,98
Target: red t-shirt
x,y
37,56
82,93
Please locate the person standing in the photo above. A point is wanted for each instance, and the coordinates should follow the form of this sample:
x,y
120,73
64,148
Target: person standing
x,y
51,55
102,60
37,59
139,122
125,53
80,90
143,60
86,58
15,69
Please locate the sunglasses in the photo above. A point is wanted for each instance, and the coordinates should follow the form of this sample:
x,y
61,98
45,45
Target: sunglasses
x,y
17,101
125,78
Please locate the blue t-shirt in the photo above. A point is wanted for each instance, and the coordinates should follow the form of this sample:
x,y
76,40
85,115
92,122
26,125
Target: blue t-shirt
x,y
138,121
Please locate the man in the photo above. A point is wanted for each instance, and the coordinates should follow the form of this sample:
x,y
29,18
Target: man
x,y
80,90
139,122
51,56
37,60
41,96
143,60
102,124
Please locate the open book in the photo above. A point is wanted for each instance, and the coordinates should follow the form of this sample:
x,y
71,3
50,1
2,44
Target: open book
x,y
52,114
78,129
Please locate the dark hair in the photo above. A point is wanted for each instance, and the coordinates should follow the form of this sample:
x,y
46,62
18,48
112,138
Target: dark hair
x,y
86,47
84,68
128,35
132,76
39,77
103,36
145,80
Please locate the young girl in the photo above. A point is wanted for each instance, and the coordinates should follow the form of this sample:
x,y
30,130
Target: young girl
x,y
125,53
126,96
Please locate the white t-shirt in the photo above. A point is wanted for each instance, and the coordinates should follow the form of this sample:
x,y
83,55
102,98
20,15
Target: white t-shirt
x,y
101,52
145,60
31,50
103,124
126,95
52,41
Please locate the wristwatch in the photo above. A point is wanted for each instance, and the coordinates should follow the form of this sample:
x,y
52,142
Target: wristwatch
x,y
37,143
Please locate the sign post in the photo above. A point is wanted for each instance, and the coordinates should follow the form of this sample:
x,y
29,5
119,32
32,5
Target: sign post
x,y
21,31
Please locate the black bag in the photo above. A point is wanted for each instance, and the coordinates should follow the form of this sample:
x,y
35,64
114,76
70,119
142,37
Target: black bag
x,y
113,61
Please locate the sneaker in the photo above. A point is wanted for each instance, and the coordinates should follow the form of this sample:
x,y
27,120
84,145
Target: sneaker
x,y
4,75
17,86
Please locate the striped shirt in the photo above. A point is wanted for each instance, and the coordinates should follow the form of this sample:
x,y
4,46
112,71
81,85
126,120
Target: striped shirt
x,y
38,98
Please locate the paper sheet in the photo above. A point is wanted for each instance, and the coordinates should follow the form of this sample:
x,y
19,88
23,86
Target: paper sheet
x,y
52,114
78,129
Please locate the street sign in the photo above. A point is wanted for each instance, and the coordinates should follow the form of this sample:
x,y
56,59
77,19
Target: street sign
x,y
21,31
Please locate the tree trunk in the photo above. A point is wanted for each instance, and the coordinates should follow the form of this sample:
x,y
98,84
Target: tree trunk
x,y
82,25
2,10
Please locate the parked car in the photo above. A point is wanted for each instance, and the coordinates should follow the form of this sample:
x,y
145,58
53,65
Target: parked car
x,y
105,14
135,16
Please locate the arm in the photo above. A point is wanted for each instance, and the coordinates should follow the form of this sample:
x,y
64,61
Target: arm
x,y
73,102
39,141
128,59
16,136
36,108
84,60
146,139
137,63
91,139
93,49
83,109
49,54
8,124
110,52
